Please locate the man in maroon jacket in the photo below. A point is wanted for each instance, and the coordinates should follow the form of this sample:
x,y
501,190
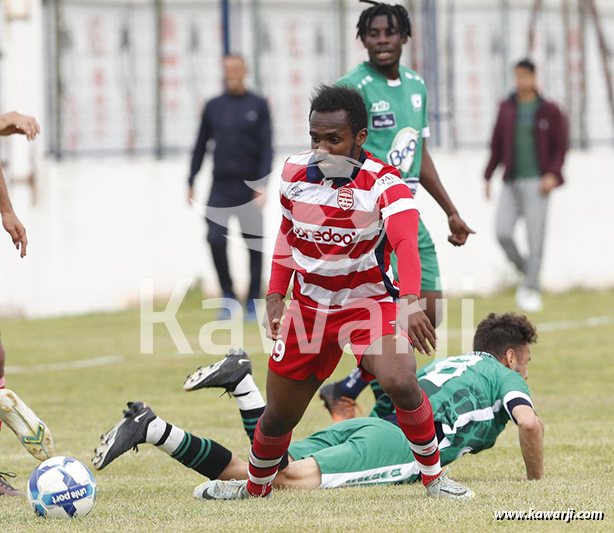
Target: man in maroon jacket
x,y
530,139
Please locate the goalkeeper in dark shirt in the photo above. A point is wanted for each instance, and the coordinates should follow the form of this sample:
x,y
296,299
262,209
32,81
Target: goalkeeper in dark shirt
x,y
239,123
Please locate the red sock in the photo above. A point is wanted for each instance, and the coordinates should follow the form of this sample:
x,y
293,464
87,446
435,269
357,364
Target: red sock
x,y
264,459
419,428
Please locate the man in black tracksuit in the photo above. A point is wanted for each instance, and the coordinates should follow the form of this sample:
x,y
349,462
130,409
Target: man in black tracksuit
x,y
239,123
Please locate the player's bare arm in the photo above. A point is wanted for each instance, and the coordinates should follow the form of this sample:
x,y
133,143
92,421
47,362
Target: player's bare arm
x,y
13,122
429,178
531,437
402,232
281,275
10,222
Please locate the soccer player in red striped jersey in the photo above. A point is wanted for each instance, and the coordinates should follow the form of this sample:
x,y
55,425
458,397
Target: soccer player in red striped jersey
x,y
344,212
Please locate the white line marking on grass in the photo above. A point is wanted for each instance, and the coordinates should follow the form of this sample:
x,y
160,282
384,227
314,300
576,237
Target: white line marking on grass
x,y
564,325
70,365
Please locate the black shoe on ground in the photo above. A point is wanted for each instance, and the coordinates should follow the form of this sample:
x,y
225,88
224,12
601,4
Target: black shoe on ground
x,y
128,433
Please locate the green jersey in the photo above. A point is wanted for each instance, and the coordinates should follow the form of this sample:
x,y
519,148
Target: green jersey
x,y
397,117
472,396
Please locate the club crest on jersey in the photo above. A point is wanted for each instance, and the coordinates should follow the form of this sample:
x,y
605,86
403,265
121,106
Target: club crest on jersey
x,y
416,101
345,198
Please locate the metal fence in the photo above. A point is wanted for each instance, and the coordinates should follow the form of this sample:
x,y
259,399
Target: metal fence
x,y
132,76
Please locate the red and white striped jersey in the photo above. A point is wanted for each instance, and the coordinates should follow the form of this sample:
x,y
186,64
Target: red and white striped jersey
x,y
332,233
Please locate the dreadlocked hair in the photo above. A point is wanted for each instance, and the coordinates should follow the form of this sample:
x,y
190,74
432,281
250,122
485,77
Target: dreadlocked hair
x,y
379,8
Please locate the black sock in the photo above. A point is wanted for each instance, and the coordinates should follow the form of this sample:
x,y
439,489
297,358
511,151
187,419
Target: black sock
x,y
285,461
352,385
250,419
205,456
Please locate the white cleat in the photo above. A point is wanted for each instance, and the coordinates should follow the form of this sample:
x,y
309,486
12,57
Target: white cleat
x,y
444,487
223,490
33,434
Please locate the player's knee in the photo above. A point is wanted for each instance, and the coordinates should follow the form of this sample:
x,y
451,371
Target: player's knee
x,y
275,423
505,236
403,388
287,477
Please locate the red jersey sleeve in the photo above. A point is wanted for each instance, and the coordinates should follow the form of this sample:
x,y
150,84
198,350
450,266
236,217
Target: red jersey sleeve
x,y
282,266
402,232
400,214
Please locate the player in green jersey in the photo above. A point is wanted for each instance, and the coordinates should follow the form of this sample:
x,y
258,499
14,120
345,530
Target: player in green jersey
x,y
396,99
473,397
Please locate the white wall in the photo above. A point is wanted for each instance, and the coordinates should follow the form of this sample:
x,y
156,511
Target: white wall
x,y
100,226
97,227
580,219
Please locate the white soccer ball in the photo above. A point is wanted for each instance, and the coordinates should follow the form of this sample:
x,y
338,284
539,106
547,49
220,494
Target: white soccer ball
x,y
62,487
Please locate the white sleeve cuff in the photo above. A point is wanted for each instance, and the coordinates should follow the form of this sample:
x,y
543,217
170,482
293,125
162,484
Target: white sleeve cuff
x,y
403,204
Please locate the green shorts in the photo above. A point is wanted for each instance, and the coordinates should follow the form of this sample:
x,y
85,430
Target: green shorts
x,y
359,451
428,261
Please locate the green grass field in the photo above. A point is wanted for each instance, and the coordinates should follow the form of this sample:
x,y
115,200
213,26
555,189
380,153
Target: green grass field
x,y
571,378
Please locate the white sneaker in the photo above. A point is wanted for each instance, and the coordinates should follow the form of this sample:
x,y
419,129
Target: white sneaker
x,y
529,300
30,430
223,490
444,487
521,293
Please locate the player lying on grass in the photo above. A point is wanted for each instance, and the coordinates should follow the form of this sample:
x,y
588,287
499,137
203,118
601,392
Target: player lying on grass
x,y
473,397
30,431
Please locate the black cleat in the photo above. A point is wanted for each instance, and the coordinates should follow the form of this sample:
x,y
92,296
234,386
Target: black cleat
x,y
128,433
225,374
6,489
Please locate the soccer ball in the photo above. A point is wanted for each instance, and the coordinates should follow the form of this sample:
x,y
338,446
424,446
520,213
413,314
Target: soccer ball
x,y
62,487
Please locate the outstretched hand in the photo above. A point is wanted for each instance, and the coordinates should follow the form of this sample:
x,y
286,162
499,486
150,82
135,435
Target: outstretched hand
x,y
16,230
14,122
460,230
